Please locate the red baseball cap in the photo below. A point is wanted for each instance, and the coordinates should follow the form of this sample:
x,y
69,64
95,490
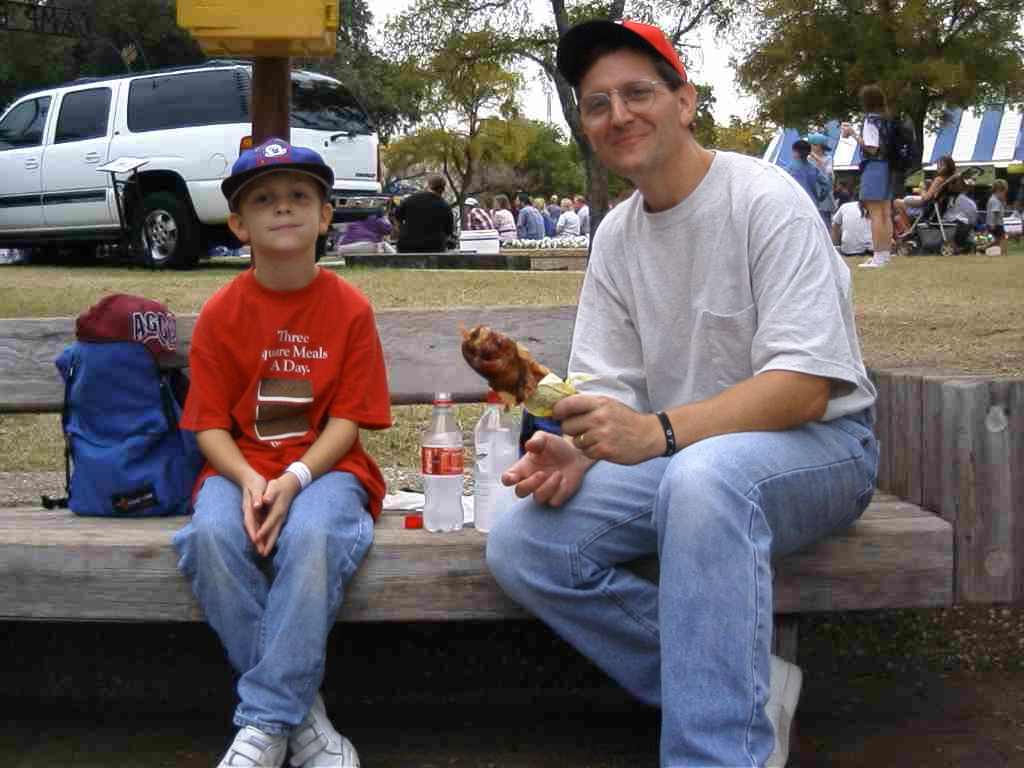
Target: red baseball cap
x,y
123,317
572,58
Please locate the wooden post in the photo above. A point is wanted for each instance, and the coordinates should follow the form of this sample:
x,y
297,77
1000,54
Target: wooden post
x,y
271,99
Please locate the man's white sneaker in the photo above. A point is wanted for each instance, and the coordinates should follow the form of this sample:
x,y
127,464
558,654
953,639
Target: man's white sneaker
x,y
254,748
874,263
316,744
786,681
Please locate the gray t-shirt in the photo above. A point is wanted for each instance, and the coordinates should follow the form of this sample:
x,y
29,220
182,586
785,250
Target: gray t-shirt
x,y
994,211
737,279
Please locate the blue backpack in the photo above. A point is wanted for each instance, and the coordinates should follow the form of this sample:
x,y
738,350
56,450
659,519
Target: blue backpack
x,y
124,453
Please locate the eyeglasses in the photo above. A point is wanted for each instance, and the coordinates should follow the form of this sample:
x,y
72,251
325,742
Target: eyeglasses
x,y
636,96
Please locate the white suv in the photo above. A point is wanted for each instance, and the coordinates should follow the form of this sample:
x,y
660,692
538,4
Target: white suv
x,y
190,124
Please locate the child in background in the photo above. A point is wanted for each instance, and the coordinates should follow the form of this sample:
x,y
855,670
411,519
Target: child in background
x,y
286,368
994,213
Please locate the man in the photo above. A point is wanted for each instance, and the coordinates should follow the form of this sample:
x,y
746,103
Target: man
x,y
477,217
554,209
728,424
583,211
530,224
425,220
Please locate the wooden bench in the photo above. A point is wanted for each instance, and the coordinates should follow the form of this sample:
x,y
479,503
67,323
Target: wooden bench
x,y
954,446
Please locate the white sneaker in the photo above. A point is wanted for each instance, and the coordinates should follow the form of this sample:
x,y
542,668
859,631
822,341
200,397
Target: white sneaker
x,y
316,744
873,262
786,680
254,748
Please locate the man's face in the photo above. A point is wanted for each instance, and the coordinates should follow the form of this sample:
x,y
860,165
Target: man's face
x,y
281,211
634,143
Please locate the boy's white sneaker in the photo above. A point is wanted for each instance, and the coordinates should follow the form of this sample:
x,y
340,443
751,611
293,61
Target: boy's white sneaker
x,y
786,680
316,744
254,748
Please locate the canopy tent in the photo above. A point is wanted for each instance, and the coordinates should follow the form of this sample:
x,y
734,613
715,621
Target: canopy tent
x,y
994,137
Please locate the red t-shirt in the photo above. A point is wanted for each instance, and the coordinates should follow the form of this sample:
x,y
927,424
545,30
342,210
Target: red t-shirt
x,y
272,366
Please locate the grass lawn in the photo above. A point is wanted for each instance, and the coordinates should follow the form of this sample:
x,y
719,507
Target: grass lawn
x,y
961,313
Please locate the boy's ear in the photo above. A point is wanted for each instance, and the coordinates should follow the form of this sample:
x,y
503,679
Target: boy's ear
x,y
238,228
326,217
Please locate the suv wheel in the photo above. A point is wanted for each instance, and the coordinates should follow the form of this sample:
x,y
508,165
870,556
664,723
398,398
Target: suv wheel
x,y
168,231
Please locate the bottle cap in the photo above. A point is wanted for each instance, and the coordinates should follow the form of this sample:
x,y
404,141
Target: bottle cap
x,y
413,522
442,398
493,397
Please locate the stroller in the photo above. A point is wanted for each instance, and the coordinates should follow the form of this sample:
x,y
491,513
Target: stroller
x,y
931,231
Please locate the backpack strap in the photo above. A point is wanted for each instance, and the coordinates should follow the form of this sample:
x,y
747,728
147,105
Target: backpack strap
x,y
61,502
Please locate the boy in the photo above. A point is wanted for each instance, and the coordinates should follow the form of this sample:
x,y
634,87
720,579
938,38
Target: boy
x,y
286,367
995,210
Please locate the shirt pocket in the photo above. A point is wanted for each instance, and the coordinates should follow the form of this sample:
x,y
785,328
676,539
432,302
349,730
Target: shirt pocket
x,y
725,342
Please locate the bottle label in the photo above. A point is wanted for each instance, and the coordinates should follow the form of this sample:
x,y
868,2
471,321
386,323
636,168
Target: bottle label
x,y
441,461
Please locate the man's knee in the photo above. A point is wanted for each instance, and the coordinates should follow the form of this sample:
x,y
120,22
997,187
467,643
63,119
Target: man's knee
x,y
504,552
694,487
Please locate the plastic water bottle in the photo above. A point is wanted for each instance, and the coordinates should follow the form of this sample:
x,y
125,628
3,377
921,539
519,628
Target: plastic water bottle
x,y
441,464
496,440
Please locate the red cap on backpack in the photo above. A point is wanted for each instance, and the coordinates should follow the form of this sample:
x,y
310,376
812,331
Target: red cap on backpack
x,y
123,317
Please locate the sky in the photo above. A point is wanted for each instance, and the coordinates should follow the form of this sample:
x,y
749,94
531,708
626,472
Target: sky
x,y
706,64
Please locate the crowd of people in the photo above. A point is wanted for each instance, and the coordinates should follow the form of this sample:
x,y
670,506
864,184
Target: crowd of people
x,y
424,222
879,217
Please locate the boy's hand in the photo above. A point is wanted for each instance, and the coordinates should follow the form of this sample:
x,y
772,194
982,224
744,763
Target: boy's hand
x,y
277,500
252,503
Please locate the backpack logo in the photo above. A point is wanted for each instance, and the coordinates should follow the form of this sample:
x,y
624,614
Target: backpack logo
x,y
155,326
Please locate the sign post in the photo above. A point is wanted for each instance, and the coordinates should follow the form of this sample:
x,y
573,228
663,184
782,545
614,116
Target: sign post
x,y
270,34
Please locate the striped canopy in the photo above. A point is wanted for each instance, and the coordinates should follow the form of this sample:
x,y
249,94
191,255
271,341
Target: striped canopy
x,y
994,137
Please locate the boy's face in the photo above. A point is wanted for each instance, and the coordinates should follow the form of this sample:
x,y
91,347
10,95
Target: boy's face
x,y
283,211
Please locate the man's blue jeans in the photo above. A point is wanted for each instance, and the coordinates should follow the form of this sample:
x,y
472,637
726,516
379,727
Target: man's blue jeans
x,y
273,614
697,644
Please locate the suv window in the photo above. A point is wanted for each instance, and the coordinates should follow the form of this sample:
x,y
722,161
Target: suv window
x,y
213,97
23,126
323,105
83,115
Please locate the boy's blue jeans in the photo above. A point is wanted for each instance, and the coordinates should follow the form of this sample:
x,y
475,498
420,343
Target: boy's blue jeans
x,y
273,614
697,644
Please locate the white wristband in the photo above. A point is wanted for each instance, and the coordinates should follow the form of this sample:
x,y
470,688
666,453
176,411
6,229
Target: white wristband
x,y
301,472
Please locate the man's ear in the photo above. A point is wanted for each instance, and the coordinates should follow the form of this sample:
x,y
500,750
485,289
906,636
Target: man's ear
x,y
686,94
238,228
326,217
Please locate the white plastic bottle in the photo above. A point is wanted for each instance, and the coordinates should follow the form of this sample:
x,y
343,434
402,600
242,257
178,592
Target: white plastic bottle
x,y
441,464
496,440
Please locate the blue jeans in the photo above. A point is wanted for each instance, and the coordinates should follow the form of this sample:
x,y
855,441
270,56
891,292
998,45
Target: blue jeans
x,y
697,644
273,614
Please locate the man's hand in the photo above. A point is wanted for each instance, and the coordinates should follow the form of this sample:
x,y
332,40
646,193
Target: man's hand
x,y
253,488
277,500
603,428
552,470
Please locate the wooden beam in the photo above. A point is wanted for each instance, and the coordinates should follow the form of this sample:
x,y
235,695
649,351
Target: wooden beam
x,y
271,99
56,566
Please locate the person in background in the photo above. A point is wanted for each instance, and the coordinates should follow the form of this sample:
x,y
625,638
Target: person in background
x,y
530,224
877,182
995,211
583,211
549,223
842,193
425,220
909,207
962,212
569,221
822,158
504,221
477,217
367,235
554,210
851,229
806,173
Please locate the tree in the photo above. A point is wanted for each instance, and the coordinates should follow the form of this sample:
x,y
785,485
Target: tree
x,y
465,88
517,34
748,137
806,60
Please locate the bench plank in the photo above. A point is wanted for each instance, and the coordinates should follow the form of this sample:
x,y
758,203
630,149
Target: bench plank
x,y
421,349
56,566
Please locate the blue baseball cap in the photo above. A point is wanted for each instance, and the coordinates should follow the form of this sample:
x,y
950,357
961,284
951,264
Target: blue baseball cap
x,y
275,155
817,138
